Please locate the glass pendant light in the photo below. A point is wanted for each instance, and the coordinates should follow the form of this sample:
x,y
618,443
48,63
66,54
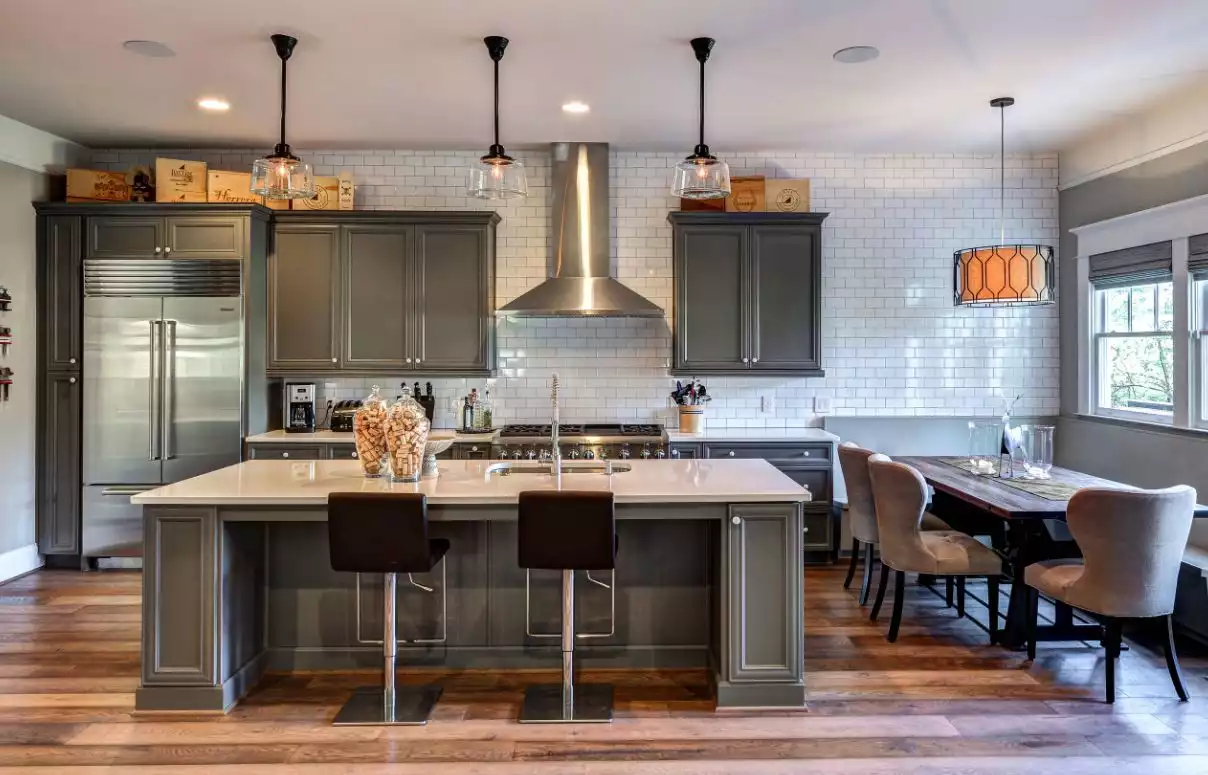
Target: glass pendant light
x,y
701,175
1004,274
497,175
281,175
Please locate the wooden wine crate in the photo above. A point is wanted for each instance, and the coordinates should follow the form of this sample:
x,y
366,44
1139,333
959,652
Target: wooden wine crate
x,y
180,180
97,186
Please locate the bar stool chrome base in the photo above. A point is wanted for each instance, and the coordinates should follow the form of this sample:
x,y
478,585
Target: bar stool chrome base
x,y
590,703
410,706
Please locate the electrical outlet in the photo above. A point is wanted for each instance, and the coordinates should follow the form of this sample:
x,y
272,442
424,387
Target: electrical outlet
x,y
767,404
822,404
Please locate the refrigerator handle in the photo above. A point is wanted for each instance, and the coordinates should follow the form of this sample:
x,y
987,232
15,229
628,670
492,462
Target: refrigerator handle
x,y
153,391
168,385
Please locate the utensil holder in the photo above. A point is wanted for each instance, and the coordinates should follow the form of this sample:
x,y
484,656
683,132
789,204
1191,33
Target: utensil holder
x,y
692,419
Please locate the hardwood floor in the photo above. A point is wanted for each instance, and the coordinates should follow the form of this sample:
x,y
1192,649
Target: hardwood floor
x,y
937,701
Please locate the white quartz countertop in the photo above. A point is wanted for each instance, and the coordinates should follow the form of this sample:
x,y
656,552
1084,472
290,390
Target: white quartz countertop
x,y
753,434
345,437
468,482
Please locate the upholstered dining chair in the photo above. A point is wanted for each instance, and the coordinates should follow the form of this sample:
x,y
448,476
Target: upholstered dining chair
x,y
1132,544
862,516
900,495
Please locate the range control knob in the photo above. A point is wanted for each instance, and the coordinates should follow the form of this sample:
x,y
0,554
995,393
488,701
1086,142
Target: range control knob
x,y
545,455
625,453
603,453
660,453
589,454
573,454
646,452
531,454
516,454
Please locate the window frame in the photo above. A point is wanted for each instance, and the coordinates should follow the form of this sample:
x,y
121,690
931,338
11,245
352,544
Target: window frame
x,y
1100,378
1199,350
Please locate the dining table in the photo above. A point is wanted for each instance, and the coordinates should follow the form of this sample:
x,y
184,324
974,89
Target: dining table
x,y
1025,520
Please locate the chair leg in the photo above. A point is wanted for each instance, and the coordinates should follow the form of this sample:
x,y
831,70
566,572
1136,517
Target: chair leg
x,y
948,590
855,560
1033,613
869,564
899,592
1172,659
992,607
876,607
1112,638
960,597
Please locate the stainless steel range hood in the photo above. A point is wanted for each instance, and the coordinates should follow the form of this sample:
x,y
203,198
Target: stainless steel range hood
x,y
581,282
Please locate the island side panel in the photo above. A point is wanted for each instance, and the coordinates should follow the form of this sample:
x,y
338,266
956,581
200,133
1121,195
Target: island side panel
x,y
763,639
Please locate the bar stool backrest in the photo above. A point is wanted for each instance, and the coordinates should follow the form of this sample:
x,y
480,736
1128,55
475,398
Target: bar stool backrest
x,y
1132,544
861,511
567,530
378,532
900,493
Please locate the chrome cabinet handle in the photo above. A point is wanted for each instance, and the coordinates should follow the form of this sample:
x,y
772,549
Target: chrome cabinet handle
x,y
168,385
736,520
152,382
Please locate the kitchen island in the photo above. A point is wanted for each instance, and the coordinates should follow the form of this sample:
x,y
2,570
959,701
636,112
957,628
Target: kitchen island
x,y
237,580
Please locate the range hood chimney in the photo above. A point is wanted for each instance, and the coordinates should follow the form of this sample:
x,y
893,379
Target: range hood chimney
x,y
581,282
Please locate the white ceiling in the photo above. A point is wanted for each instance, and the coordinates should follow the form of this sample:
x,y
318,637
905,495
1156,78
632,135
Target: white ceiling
x,y
415,74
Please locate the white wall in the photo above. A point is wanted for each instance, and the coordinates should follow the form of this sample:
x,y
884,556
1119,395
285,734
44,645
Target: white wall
x,y
18,187
894,344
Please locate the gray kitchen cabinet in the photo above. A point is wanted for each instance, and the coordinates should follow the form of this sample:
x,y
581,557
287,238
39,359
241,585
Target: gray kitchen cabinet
x,y
378,287
685,451
59,464
454,299
303,299
748,290
200,235
61,288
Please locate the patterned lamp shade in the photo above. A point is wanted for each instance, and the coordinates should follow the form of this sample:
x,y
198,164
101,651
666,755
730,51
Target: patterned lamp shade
x,y
1005,274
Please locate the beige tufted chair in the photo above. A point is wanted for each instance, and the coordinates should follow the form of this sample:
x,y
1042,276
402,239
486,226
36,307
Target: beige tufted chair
x,y
862,515
1132,544
900,495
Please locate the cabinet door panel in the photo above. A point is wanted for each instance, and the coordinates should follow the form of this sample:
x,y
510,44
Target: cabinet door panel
x,y
377,287
817,480
785,294
125,237
711,305
303,278
452,299
63,283
205,237
59,476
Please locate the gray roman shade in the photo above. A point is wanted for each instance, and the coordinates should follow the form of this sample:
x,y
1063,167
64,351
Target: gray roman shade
x,y
1143,264
1197,258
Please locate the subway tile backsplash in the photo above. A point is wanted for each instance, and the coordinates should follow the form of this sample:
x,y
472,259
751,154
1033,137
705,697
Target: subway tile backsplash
x,y
893,343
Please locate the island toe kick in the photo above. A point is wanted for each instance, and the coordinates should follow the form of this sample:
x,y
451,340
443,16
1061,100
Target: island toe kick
x,y
231,592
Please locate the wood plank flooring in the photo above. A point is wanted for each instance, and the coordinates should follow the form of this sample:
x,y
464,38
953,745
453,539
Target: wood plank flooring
x,y
937,701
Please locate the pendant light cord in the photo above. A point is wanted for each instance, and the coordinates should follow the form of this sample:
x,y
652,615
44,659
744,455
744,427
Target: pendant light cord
x,y
283,64
702,102
1002,175
496,102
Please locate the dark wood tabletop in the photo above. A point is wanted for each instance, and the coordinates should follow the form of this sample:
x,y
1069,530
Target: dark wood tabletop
x,y
1007,502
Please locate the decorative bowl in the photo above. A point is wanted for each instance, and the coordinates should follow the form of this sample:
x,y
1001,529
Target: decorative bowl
x,y
433,448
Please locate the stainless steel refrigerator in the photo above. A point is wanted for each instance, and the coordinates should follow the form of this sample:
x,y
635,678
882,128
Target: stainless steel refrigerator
x,y
163,383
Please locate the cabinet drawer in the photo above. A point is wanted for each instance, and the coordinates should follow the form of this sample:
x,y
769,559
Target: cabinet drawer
x,y
284,452
685,451
798,453
817,531
472,451
342,451
817,480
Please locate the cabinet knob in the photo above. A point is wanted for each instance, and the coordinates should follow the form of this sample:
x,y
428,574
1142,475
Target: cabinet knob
x,y
284,454
473,449
806,453
805,530
71,360
167,250
754,360
159,250
744,360
71,380
675,453
408,360
354,456
335,360
731,453
736,520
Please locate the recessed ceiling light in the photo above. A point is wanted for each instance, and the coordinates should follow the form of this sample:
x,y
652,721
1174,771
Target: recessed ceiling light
x,y
576,107
854,55
214,104
149,48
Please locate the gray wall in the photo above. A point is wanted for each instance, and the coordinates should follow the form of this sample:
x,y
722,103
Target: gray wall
x,y
18,187
1136,455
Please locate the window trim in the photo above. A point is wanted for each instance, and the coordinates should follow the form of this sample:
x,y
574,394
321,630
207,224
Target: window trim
x,y
1198,350
1100,380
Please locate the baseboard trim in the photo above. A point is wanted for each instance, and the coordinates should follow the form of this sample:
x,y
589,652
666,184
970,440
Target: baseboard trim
x,y
19,561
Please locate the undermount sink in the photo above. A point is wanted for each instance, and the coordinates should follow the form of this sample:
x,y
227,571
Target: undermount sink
x,y
567,467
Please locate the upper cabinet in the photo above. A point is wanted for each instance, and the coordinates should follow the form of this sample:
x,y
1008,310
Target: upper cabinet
x,y
748,290
409,293
177,236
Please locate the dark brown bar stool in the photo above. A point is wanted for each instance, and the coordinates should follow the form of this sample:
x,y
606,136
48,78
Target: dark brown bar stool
x,y
567,531
384,533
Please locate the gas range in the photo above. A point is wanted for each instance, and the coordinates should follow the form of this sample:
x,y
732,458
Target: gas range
x,y
586,441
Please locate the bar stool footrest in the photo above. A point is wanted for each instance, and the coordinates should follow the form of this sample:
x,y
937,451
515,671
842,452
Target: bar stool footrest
x,y
367,707
543,704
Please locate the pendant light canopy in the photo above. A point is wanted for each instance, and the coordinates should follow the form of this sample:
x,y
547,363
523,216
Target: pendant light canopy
x,y
497,175
1005,274
281,175
701,175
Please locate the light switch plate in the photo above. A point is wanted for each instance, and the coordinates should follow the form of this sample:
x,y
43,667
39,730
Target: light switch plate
x,y
767,404
822,404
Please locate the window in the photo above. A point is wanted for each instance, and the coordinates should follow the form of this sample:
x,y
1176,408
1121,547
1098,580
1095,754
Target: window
x,y
1135,351
1199,346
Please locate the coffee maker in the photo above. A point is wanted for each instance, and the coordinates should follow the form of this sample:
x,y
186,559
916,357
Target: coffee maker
x,y
300,407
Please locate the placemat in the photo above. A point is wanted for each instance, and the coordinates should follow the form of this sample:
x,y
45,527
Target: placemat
x,y
1049,489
